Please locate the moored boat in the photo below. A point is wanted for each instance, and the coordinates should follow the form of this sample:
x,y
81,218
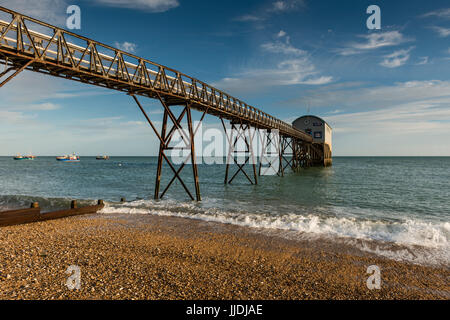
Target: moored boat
x,y
19,157
71,158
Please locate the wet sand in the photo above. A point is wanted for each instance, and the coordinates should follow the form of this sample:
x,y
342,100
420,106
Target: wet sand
x,y
150,257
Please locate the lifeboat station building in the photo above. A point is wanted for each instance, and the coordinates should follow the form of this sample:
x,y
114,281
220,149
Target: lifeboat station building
x,y
321,133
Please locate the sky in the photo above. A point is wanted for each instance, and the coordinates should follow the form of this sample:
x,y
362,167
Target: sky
x,y
384,92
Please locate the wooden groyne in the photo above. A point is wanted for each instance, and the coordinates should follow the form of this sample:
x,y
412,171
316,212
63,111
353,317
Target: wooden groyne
x,y
33,214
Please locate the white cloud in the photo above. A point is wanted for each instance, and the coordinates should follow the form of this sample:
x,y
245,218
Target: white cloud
x,y
54,11
281,34
423,61
31,88
442,13
396,59
276,7
286,73
417,116
101,121
378,97
46,106
407,118
13,117
248,18
282,47
287,5
50,11
417,128
149,5
29,94
126,46
25,134
374,41
293,67
443,32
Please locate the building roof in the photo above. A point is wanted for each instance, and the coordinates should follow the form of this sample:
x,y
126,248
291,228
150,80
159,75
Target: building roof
x,y
319,118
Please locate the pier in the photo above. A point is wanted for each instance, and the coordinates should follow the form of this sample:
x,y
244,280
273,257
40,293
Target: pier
x,y
50,50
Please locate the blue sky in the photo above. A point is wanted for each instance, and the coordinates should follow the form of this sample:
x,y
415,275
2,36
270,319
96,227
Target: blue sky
x,y
384,92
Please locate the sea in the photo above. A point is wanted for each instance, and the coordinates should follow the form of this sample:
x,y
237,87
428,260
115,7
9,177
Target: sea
x,y
402,204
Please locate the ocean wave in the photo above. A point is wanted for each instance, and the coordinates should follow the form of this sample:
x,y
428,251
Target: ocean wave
x,y
407,239
421,242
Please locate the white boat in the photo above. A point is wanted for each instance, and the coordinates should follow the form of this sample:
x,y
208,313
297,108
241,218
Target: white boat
x,y
71,158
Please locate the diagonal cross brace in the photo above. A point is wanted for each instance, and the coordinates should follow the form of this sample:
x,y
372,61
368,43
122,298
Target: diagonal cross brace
x,y
241,134
19,70
267,141
165,137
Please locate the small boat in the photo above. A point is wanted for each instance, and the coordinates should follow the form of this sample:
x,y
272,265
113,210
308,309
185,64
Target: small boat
x,y
19,157
102,158
71,158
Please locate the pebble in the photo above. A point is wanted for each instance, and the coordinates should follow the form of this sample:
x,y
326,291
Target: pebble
x,y
173,258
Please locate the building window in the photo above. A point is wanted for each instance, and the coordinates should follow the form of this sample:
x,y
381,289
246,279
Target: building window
x,y
317,135
309,131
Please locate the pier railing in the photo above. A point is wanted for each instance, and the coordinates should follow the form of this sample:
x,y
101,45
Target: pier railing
x,y
30,44
27,43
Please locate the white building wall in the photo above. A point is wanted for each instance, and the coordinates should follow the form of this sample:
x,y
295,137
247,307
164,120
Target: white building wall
x,y
316,127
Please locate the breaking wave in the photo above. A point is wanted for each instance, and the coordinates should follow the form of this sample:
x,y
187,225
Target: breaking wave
x,y
406,239
415,241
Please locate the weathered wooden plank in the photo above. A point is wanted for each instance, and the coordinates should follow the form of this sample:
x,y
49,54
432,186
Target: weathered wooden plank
x,y
70,213
16,217
23,216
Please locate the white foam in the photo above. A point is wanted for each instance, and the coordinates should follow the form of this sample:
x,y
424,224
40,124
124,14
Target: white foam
x,y
422,241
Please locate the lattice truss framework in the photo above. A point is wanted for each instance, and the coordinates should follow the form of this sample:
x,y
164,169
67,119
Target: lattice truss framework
x,y
30,44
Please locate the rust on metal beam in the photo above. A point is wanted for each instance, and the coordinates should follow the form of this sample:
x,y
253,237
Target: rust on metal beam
x,y
15,73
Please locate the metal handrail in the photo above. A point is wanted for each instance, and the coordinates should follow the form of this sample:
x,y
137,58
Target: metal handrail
x,y
141,73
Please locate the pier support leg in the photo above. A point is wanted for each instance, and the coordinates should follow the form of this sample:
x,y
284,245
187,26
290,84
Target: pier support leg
x,y
243,133
296,154
300,154
270,153
317,154
165,138
287,154
303,154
